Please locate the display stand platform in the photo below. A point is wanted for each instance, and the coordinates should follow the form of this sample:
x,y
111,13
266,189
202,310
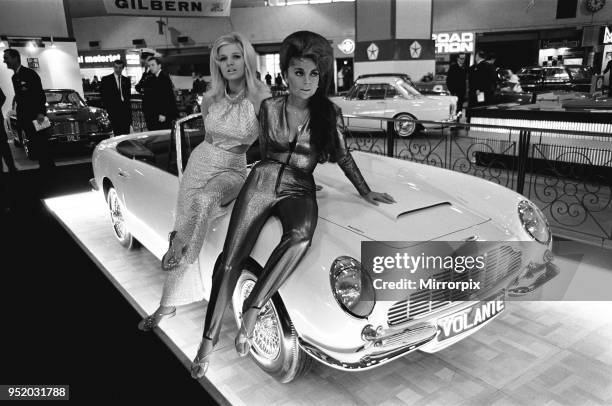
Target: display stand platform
x,y
552,353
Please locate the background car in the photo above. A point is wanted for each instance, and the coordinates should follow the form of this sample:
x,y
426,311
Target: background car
x,y
569,77
393,96
325,311
72,121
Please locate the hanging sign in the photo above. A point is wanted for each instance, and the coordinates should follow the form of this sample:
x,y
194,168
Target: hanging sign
x,y
454,42
169,8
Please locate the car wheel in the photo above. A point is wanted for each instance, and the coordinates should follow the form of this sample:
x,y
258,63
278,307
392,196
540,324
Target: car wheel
x,y
117,213
406,128
274,346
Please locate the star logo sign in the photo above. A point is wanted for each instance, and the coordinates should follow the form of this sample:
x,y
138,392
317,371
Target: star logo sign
x,y
415,50
372,52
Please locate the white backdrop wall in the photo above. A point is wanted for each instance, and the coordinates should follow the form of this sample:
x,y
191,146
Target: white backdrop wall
x,y
58,69
41,18
259,24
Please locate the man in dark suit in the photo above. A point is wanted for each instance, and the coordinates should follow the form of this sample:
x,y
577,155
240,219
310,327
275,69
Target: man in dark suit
x,y
456,80
482,80
31,105
158,100
116,95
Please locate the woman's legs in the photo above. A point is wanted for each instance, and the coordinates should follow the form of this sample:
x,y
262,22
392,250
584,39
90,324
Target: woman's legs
x,y
250,213
298,215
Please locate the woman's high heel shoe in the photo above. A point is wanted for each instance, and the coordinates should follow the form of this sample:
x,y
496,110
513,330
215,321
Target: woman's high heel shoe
x,y
243,342
170,262
200,364
152,321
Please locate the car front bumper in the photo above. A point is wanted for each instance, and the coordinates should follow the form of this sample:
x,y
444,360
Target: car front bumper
x,y
386,345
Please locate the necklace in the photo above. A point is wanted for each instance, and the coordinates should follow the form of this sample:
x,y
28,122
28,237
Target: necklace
x,y
236,97
302,120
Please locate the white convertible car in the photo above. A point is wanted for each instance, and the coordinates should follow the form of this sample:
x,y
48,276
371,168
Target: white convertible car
x,y
393,96
316,314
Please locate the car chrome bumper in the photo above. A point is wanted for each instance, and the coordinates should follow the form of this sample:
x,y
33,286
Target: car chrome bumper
x,y
386,345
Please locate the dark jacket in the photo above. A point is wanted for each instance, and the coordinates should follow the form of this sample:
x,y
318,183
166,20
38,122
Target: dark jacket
x,y
482,77
110,94
29,94
456,79
158,95
3,136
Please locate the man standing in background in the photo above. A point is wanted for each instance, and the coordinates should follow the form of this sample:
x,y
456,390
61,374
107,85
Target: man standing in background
x,y
456,80
116,97
31,106
482,81
159,102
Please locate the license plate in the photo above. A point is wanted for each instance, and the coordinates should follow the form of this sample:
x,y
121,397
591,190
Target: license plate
x,y
72,138
471,317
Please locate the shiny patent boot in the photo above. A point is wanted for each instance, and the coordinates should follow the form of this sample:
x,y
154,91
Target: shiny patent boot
x,y
199,365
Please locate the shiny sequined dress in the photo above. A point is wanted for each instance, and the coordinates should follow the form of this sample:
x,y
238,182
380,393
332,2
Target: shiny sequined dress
x,y
213,177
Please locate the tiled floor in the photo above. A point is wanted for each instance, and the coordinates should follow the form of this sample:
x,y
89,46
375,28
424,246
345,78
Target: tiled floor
x,y
536,353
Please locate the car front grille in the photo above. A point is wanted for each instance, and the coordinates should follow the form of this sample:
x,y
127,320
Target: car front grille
x,y
81,128
499,263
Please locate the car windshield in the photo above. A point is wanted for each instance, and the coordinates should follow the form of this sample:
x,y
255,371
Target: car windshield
x,y
530,71
411,90
64,99
579,73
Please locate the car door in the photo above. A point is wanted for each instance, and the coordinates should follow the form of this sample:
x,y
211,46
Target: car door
x,y
150,190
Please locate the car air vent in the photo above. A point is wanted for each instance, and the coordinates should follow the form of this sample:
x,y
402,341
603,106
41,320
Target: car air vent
x,y
422,208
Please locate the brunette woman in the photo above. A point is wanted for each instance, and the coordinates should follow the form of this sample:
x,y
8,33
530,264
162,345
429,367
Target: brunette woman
x,y
298,131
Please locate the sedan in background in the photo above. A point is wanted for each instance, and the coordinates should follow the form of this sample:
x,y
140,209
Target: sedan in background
x,y
543,78
393,96
72,121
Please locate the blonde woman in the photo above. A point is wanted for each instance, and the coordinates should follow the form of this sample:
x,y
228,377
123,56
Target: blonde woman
x,y
216,169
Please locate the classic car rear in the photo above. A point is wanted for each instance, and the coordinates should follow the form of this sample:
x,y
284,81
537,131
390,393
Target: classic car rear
x,y
72,121
319,312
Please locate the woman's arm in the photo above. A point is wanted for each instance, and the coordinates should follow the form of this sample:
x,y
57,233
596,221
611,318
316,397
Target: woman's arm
x,y
344,158
207,101
350,168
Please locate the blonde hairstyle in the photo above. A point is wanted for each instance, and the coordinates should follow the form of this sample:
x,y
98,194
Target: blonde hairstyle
x,y
218,82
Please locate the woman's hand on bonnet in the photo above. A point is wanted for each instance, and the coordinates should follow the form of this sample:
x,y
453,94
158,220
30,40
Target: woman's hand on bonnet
x,y
375,197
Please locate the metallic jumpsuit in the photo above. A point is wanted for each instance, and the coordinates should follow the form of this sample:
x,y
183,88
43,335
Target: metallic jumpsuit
x,y
280,185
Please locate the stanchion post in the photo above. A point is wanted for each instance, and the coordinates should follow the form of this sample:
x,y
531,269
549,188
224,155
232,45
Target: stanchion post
x,y
523,158
390,139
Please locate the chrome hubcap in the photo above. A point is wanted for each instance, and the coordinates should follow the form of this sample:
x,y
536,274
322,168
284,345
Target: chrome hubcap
x,y
116,215
404,128
267,331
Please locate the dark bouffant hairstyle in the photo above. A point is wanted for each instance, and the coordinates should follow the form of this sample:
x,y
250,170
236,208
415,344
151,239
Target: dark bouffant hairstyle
x,y
306,44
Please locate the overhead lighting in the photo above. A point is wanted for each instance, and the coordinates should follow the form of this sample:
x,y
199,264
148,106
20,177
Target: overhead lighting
x,y
53,43
31,46
2,44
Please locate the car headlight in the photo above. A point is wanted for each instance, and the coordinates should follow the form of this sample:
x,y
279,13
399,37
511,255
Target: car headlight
x,y
534,221
352,287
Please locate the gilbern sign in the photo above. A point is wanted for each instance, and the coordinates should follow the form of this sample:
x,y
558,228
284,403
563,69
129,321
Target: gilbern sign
x,y
170,8
454,42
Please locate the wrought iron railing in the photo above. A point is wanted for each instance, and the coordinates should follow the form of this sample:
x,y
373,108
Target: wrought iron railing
x,y
568,174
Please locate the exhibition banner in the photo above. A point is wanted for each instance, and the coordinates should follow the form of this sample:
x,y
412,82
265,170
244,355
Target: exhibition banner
x,y
169,8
